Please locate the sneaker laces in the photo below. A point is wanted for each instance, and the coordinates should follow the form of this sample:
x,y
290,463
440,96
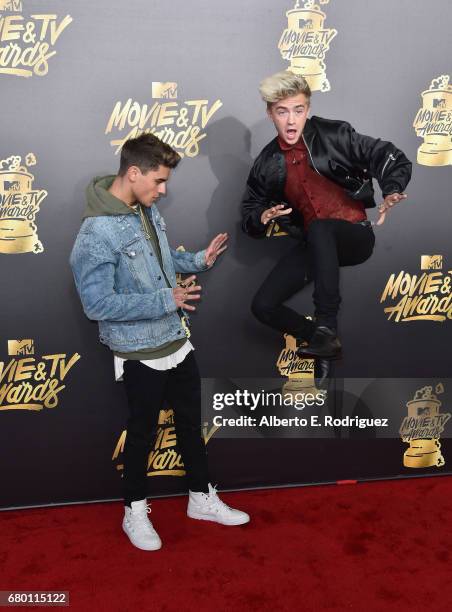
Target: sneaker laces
x,y
215,500
141,513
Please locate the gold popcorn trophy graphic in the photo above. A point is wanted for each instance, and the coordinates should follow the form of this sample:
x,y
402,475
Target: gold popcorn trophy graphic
x,y
433,123
19,204
305,42
299,371
422,429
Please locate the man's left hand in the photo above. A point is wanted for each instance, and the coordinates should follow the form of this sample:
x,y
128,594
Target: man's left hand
x,y
215,248
389,202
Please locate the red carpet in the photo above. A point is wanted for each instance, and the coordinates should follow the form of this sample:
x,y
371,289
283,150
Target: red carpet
x,y
374,546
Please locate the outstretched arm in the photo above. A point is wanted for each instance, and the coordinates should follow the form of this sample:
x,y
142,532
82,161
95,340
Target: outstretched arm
x,y
384,161
187,263
215,248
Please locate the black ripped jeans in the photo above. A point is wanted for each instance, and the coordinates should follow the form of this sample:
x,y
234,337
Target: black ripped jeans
x,y
147,390
330,244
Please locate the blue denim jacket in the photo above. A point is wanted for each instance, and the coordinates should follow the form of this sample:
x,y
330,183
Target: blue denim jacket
x,y
121,284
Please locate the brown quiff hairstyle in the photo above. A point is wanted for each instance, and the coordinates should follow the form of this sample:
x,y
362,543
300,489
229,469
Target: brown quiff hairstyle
x,y
147,152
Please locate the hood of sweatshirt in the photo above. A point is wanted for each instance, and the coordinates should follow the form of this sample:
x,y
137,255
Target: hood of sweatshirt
x,y
100,202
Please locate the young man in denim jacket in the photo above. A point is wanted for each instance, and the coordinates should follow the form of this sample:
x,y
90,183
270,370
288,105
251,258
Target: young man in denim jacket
x,y
125,273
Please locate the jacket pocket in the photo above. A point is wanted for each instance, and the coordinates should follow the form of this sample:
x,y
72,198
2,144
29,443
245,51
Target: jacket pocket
x,y
364,191
353,181
132,261
345,176
131,248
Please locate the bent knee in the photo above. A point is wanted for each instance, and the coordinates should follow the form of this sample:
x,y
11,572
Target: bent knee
x,y
261,309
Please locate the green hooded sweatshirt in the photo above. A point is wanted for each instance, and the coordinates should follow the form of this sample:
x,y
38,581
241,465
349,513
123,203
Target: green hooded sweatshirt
x,y
100,202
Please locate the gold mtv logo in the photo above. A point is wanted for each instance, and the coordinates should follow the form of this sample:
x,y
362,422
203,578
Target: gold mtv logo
x,y
21,347
11,5
306,24
431,262
439,102
165,90
166,417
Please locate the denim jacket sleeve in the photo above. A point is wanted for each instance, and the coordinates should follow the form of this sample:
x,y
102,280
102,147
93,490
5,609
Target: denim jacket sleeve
x,y
186,263
93,264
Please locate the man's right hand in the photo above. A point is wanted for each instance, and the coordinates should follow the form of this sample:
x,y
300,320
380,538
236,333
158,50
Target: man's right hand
x,y
185,292
274,212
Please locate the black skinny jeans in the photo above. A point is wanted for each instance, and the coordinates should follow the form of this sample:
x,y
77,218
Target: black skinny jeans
x,y
330,244
147,390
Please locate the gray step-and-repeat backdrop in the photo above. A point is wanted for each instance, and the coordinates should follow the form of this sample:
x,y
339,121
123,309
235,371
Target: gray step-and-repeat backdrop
x,y
79,78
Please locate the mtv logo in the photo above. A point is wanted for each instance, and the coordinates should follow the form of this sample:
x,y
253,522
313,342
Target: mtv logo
x,y
165,90
423,411
21,347
305,24
439,103
11,185
166,417
11,5
431,262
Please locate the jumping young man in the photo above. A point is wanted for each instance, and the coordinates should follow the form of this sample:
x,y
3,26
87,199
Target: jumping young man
x,y
315,180
125,273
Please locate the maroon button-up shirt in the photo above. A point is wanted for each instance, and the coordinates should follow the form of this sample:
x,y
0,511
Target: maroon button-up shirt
x,y
313,194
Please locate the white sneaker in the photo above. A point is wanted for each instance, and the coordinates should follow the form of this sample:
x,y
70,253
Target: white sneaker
x,y
209,507
139,528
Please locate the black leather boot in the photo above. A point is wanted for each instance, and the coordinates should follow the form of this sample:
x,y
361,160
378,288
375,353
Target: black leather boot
x,y
322,371
324,343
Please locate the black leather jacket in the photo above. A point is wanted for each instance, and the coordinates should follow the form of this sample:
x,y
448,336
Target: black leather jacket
x,y
337,152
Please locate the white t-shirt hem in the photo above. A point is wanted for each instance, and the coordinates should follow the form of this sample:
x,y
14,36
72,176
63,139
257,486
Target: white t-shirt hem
x,y
162,363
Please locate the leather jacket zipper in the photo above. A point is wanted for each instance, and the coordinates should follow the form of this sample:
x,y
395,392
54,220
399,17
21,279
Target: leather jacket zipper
x,y
390,157
312,161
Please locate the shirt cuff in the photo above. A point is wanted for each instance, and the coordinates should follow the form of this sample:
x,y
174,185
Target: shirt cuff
x,y
390,189
200,260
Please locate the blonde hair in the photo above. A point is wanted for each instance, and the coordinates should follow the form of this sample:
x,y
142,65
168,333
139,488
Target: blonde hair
x,y
283,85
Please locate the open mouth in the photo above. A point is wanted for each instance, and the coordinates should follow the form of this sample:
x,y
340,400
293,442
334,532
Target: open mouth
x,y
291,133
